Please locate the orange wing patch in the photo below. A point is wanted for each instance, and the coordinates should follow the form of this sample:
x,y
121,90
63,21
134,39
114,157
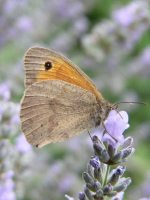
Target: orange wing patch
x,y
43,64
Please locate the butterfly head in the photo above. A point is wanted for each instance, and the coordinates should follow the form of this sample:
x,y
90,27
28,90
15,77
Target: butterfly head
x,y
105,108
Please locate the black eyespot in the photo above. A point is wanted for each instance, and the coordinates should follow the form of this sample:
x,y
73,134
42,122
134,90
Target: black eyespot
x,y
48,65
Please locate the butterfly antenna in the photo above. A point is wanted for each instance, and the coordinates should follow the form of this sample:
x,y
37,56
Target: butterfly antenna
x,y
132,102
119,113
90,136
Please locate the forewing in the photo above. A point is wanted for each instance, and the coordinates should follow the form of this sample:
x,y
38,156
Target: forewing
x,y
61,69
54,110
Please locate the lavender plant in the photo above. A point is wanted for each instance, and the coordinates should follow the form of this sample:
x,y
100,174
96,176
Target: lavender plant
x,y
104,175
116,41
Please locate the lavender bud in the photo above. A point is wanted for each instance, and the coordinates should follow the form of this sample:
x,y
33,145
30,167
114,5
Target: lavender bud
x,y
99,194
88,193
82,196
87,178
127,181
95,139
122,185
89,169
96,186
126,152
117,157
112,194
120,170
98,149
94,162
111,150
90,187
105,156
107,189
93,187
114,178
116,175
97,145
98,174
127,143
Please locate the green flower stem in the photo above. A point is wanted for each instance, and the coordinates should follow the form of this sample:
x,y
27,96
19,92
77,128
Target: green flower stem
x,y
106,175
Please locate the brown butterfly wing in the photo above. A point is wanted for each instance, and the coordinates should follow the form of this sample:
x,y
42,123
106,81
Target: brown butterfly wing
x,y
61,69
55,110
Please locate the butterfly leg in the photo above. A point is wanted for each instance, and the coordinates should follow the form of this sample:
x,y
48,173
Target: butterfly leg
x,y
105,131
90,136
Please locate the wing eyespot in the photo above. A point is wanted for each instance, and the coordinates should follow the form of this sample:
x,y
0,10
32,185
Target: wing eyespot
x,y
48,65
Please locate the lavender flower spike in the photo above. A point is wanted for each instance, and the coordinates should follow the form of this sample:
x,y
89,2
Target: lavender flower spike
x,y
102,179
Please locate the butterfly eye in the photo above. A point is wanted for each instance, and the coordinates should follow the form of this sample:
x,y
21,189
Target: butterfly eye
x,y
48,65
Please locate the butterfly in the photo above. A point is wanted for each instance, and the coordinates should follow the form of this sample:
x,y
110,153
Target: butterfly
x,y
60,100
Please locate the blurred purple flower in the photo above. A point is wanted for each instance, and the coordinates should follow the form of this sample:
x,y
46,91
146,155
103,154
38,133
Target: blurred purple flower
x,y
80,26
15,119
145,57
9,174
22,145
66,183
4,91
74,144
115,124
131,13
124,16
62,42
145,187
24,23
67,9
10,6
56,168
7,187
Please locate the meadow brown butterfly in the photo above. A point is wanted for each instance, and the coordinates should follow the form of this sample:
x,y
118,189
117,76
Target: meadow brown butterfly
x,y
59,101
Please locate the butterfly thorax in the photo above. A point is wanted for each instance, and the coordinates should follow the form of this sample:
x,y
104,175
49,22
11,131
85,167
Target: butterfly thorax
x,y
104,108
